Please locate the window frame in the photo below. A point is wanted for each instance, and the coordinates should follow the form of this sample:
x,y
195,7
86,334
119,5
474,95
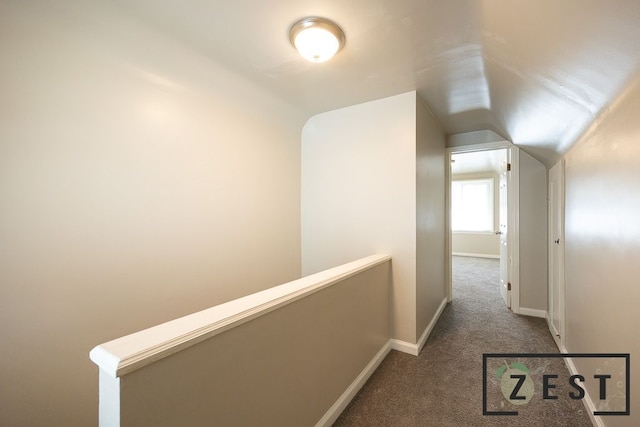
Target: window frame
x,y
490,182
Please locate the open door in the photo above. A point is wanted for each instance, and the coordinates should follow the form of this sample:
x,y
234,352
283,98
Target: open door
x,y
505,287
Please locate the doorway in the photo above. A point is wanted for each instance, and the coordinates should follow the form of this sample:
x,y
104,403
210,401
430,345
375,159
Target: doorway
x,y
482,201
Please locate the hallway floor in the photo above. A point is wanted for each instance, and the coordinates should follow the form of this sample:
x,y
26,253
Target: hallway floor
x,y
443,385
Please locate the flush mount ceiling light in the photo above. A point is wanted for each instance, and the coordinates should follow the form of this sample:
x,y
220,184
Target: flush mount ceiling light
x,y
316,39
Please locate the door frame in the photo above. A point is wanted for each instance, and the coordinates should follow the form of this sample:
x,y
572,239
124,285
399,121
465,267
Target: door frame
x,y
513,226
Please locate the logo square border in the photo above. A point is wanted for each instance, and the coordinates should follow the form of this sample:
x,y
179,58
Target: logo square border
x,y
626,356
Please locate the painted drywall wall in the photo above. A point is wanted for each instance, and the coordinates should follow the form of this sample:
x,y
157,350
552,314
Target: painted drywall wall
x,y
430,217
373,181
359,194
473,138
139,182
602,241
475,244
533,233
480,243
285,368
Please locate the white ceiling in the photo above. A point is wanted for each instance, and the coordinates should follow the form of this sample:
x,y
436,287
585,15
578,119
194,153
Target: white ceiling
x,y
537,72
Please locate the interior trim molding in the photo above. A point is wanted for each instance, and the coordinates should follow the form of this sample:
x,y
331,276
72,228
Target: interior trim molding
x,y
533,312
336,409
414,349
405,347
131,352
587,401
597,421
513,208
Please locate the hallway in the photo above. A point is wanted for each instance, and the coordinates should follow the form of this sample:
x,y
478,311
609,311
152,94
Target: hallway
x,y
443,385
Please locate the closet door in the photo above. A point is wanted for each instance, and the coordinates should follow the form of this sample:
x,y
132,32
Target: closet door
x,y
556,253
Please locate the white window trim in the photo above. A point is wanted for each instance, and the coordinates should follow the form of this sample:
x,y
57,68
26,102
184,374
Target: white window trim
x,y
490,182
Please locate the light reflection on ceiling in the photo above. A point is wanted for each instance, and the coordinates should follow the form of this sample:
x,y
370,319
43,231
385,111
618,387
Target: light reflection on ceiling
x,y
536,72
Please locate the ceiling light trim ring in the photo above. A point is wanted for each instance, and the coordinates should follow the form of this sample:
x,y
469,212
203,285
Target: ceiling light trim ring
x,y
316,22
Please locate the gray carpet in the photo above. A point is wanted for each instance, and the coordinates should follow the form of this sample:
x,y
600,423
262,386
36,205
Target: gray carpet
x,y
443,385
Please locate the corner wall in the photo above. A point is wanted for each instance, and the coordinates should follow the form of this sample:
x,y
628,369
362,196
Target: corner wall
x,y
430,217
373,182
359,194
602,241
139,183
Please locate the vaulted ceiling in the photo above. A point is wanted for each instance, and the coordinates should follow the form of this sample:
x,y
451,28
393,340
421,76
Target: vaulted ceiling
x,y
537,72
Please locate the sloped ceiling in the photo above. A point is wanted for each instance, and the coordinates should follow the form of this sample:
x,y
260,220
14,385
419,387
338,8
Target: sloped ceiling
x,y
537,72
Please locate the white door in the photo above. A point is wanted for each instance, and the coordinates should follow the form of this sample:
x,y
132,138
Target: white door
x,y
504,252
556,252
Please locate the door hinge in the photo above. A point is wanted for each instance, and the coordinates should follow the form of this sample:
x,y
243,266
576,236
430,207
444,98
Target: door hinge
x,y
508,167
509,286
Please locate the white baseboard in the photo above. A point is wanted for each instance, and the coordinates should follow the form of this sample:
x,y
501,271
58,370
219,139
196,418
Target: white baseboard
x,y
597,421
587,401
532,312
475,255
336,409
405,347
414,349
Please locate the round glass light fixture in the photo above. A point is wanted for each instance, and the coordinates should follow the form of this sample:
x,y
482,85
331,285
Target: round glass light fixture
x,y
316,39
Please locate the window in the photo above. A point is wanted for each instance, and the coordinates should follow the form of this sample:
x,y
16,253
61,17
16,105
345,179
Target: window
x,y
472,205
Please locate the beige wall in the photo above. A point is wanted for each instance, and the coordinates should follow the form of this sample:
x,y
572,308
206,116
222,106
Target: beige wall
x,y
533,233
286,368
473,138
603,241
430,221
483,244
373,181
139,182
359,194
480,243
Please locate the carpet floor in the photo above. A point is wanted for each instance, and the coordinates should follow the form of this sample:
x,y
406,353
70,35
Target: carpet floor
x,y
443,386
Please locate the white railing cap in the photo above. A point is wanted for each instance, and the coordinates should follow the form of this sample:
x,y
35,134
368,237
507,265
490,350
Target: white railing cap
x,y
131,352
